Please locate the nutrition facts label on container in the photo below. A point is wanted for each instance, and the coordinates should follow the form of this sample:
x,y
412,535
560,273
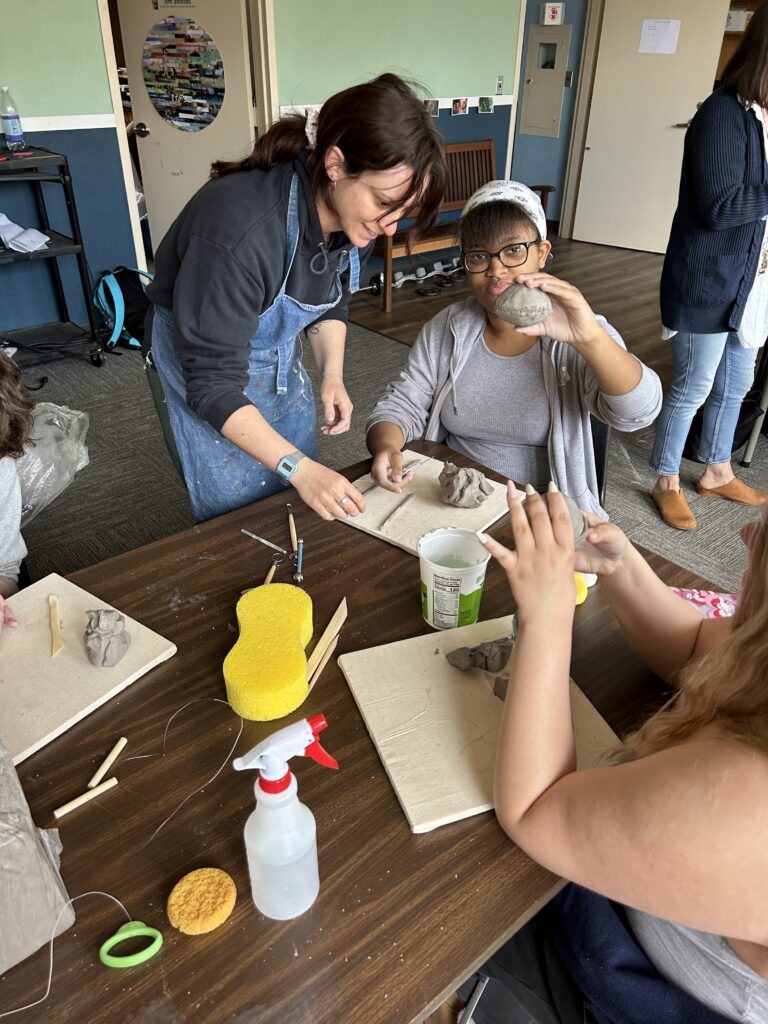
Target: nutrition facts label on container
x,y
446,591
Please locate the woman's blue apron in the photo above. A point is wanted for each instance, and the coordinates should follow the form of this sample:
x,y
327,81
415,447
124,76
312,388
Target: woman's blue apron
x,y
219,475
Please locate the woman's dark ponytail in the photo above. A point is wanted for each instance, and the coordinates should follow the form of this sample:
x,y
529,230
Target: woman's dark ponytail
x,y
283,141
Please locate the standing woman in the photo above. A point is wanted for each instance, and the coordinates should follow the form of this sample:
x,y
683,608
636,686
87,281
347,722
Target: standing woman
x,y
714,285
271,246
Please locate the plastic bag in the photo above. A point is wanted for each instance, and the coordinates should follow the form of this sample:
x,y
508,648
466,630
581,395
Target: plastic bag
x,y
55,452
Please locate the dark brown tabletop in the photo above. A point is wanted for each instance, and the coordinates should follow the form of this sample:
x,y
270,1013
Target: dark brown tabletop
x,y
401,919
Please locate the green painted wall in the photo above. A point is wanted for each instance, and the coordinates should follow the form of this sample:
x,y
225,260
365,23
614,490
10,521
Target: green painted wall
x,y
452,47
52,58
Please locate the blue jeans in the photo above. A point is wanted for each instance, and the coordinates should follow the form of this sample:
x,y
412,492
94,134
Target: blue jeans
x,y
712,370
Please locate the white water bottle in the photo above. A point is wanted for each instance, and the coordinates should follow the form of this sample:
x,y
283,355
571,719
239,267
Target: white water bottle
x,y
14,136
280,834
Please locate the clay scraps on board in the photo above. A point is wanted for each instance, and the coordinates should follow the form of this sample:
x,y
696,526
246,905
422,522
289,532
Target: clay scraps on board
x,y
464,488
491,657
106,638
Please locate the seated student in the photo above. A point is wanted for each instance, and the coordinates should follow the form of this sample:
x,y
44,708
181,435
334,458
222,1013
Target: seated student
x,y
676,832
15,425
515,399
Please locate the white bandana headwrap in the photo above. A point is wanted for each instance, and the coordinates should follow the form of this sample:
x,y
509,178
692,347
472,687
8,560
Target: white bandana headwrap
x,y
511,192
310,129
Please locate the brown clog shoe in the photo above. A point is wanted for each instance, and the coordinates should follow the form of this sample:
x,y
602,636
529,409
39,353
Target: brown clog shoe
x,y
735,490
674,509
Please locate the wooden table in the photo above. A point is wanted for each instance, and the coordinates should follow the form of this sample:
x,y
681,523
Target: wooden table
x,y
401,919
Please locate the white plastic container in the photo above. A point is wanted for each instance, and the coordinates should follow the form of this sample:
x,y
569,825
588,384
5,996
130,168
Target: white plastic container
x,y
280,835
453,564
281,846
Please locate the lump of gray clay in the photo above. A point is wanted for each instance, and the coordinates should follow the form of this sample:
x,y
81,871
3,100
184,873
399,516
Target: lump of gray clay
x,y
491,657
106,638
522,306
465,488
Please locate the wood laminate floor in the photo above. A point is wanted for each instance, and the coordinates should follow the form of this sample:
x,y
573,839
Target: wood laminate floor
x,y
622,284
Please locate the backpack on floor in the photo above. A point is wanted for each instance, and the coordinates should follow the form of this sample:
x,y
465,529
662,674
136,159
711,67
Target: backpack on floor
x,y
750,410
120,297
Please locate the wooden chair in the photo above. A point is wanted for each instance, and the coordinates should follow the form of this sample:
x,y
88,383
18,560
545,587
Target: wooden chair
x,y
470,165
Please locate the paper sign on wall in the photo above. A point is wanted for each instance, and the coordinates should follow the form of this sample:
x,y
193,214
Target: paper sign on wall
x,y
659,35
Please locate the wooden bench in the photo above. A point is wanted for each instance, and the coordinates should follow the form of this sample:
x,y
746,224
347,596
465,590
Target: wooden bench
x,y
470,165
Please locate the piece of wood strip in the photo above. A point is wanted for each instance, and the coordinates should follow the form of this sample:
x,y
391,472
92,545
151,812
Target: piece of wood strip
x,y
57,641
323,662
107,763
331,630
89,794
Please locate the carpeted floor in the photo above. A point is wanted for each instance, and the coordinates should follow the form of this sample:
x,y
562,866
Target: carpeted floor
x,y
130,493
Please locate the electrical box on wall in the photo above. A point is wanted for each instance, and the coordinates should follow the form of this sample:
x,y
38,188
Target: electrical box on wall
x,y
552,14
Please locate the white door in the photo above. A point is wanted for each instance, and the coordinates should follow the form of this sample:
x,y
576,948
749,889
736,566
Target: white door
x,y
641,102
189,74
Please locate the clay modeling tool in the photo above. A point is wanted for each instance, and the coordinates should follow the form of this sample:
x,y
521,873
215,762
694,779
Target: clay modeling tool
x,y
261,540
292,527
57,641
323,662
329,635
271,572
131,930
395,510
298,575
107,763
89,794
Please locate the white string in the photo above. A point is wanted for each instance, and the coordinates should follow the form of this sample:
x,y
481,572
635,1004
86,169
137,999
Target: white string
x,y
139,757
94,892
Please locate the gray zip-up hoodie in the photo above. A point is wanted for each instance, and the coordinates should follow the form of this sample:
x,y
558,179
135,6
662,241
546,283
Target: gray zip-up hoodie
x,y
432,376
12,546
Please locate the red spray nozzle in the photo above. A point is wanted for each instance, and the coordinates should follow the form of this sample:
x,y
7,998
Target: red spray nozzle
x,y
317,723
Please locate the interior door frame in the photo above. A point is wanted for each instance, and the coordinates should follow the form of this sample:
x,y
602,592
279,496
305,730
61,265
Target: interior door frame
x,y
261,17
591,46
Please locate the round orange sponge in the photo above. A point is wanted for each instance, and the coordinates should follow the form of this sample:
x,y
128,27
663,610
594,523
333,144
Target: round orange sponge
x,y
201,901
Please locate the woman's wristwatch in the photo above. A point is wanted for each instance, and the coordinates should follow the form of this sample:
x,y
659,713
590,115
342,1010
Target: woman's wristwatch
x,y
287,466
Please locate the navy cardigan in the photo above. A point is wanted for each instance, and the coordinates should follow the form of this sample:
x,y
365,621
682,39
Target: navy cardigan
x,y
717,230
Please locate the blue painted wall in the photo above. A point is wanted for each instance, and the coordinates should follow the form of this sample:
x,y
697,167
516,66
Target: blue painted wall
x,y
537,160
26,292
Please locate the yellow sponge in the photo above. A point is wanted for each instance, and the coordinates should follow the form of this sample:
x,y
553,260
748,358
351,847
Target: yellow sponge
x,y
266,671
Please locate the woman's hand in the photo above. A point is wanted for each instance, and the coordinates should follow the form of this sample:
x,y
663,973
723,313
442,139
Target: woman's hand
x,y
571,320
387,469
337,405
326,492
540,569
603,549
7,618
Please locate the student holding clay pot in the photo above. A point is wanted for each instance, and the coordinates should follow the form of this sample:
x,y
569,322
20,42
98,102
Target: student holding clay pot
x,y
273,245
516,399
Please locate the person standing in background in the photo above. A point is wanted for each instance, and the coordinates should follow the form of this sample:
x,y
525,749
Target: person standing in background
x,y
714,285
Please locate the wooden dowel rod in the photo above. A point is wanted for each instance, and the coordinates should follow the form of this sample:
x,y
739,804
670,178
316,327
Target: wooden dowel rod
x,y
270,575
107,763
89,794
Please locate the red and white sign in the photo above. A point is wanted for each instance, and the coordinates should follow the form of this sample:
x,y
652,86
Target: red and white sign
x,y
552,14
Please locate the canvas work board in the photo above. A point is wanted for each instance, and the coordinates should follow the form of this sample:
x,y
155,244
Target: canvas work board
x,y
426,511
436,727
42,696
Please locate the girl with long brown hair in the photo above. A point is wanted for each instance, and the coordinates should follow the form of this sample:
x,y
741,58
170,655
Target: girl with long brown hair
x,y
274,245
676,832
15,426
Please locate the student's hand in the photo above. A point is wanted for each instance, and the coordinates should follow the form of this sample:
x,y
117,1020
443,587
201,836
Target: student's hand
x,y
540,569
572,319
326,492
603,548
337,405
7,618
387,470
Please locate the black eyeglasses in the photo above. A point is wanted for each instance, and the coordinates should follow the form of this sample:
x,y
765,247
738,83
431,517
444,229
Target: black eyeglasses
x,y
477,261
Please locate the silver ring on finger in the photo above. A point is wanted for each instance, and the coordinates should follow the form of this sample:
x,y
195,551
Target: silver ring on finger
x,y
343,501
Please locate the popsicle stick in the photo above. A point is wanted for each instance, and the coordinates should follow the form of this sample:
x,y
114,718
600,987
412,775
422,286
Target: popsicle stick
x,y
323,662
331,630
57,641
89,794
107,763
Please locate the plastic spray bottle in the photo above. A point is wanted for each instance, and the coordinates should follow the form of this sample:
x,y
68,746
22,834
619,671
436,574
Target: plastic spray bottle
x,y
280,835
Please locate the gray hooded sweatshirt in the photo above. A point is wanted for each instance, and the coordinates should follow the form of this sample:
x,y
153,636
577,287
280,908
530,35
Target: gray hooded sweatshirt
x,y
432,376
12,546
